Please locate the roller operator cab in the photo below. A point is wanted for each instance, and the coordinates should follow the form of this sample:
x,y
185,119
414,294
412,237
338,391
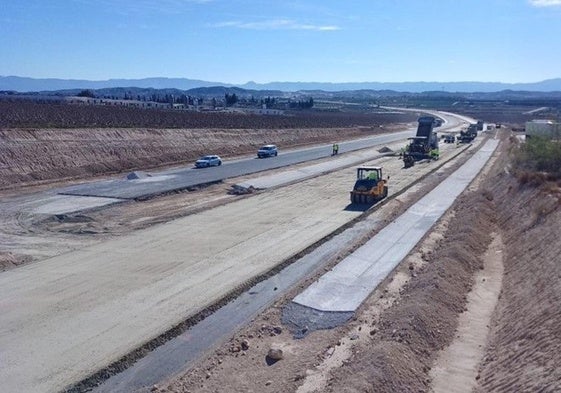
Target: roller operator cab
x,y
370,186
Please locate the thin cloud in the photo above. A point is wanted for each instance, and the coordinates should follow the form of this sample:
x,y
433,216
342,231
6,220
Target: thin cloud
x,y
545,3
277,24
145,6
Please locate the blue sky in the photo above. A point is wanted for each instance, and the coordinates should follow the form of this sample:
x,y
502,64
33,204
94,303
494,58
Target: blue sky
x,y
235,41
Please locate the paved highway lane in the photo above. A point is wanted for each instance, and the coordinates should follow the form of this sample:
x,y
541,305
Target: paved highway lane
x,y
178,179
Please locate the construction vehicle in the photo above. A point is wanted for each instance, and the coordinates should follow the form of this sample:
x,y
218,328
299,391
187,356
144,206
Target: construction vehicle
x,y
424,145
370,186
466,136
449,138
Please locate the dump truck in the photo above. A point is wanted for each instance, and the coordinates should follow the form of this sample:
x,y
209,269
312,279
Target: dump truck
x,y
466,136
370,186
424,145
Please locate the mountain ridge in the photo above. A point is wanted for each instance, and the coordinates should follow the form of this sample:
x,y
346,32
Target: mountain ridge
x,y
27,84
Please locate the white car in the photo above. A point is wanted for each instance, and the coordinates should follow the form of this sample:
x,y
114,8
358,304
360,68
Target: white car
x,y
208,161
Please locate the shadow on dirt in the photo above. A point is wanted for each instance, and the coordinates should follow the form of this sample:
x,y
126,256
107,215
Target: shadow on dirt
x,y
358,207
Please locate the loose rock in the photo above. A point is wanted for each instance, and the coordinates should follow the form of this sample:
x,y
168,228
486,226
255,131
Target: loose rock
x,y
275,354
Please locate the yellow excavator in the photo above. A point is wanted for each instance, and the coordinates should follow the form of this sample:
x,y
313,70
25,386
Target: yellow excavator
x,y
370,186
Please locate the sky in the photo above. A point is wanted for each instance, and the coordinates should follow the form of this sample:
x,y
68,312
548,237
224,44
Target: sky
x,y
236,41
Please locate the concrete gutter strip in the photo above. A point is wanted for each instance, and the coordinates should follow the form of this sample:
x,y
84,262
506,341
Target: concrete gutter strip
x,y
280,179
60,204
344,288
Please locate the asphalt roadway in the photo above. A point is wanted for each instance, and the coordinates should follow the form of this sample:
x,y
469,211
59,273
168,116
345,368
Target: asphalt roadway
x,y
179,179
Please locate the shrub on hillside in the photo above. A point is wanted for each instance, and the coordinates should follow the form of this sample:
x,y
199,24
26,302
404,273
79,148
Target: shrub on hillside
x,y
537,159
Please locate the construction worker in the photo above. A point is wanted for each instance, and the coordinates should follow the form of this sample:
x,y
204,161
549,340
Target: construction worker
x,y
372,176
335,149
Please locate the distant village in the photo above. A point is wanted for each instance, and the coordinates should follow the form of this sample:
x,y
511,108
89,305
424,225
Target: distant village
x,y
213,106
229,103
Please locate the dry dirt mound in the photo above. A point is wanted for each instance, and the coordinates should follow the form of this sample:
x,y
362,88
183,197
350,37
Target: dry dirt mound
x,y
9,260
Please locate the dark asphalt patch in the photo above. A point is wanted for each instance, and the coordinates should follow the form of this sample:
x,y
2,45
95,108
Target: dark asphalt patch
x,y
302,320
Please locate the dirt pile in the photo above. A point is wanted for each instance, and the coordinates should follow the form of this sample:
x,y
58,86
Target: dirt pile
x,y
32,155
10,260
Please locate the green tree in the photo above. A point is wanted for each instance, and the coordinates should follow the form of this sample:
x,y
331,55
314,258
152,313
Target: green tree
x,y
86,93
230,99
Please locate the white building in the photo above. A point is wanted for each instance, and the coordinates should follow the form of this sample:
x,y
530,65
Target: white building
x,y
543,128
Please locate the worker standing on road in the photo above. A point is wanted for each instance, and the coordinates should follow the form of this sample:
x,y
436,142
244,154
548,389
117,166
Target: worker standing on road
x,y
335,149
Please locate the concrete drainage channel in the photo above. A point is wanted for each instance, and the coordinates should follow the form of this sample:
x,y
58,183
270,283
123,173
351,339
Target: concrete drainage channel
x,y
175,350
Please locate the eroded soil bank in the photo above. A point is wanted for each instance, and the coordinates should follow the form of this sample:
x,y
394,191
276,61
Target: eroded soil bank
x,y
399,332
524,351
30,156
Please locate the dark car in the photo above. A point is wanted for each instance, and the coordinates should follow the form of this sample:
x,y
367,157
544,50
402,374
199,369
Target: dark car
x,y
267,151
449,138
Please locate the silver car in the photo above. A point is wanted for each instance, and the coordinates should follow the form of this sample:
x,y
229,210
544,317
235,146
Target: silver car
x,y
267,151
207,161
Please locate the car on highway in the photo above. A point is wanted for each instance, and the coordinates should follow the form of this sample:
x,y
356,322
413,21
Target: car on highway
x,y
208,161
267,151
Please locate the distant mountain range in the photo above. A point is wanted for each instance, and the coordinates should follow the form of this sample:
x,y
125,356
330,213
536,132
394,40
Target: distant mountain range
x,y
24,84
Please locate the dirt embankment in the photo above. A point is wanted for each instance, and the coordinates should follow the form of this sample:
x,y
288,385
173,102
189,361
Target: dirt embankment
x,y
45,142
34,155
524,351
